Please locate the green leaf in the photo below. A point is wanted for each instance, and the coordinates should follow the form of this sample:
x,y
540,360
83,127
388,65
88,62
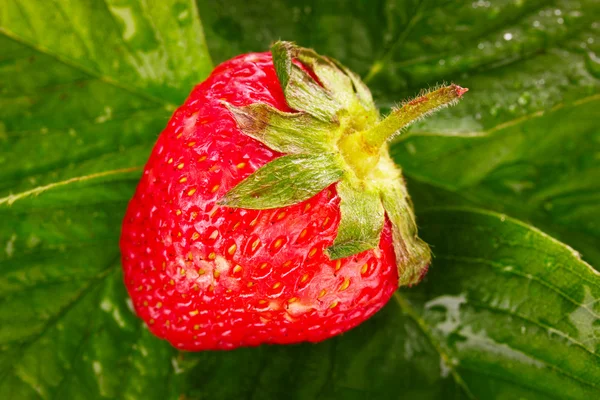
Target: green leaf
x,y
361,222
86,87
289,133
301,91
528,64
412,254
505,312
285,181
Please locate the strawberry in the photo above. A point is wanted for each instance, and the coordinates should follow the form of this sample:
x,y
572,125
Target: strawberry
x,y
269,210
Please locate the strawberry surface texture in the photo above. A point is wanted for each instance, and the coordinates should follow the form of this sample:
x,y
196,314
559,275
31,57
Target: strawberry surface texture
x,y
204,274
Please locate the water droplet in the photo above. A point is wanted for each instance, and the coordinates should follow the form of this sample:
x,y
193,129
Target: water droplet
x,y
508,36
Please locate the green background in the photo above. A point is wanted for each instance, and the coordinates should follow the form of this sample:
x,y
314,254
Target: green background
x,y
503,184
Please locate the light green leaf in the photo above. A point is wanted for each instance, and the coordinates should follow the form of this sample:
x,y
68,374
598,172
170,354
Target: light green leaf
x,y
289,133
86,88
505,312
412,254
362,219
285,181
301,91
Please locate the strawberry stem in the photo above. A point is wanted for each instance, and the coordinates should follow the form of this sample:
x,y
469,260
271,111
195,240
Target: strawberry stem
x,y
411,112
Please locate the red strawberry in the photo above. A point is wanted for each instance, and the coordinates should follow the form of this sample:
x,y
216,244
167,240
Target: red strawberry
x,y
269,210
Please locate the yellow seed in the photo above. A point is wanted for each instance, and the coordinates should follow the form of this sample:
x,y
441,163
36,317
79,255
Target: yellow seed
x,y
151,321
237,269
191,144
286,264
364,269
145,304
202,158
139,289
183,179
191,192
303,233
250,284
338,265
190,256
307,207
304,278
196,288
278,243
293,299
182,272
178,234
255,244
193,215
164,265
262,302
158,305
214,188
168,323
216,273
276,285
263,265
212,256
195,312
201,271
334,304
196,327
323,293
170,161
312,252
241,165
253,223
178,212
195,236
237,225
281,215
214,235
344,285
325,222
232,249
180,166
180,135
171,282
211,288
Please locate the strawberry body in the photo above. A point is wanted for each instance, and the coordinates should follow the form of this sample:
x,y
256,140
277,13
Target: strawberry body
x,y
205,276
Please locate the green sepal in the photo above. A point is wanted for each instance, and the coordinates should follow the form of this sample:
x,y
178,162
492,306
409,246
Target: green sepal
x,y
285,181
362,91
290,133
362,219
412,254
301,91
329,75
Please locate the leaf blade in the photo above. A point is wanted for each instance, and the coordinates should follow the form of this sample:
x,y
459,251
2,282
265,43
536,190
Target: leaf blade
x,y
285,181
361,222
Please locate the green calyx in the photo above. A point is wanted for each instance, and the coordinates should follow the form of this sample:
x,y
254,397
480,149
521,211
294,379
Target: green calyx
x,y
336,136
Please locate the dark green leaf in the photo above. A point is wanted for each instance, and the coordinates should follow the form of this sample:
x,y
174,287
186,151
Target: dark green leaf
x,y
531,63
86,86
285,181
362,218
505,312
